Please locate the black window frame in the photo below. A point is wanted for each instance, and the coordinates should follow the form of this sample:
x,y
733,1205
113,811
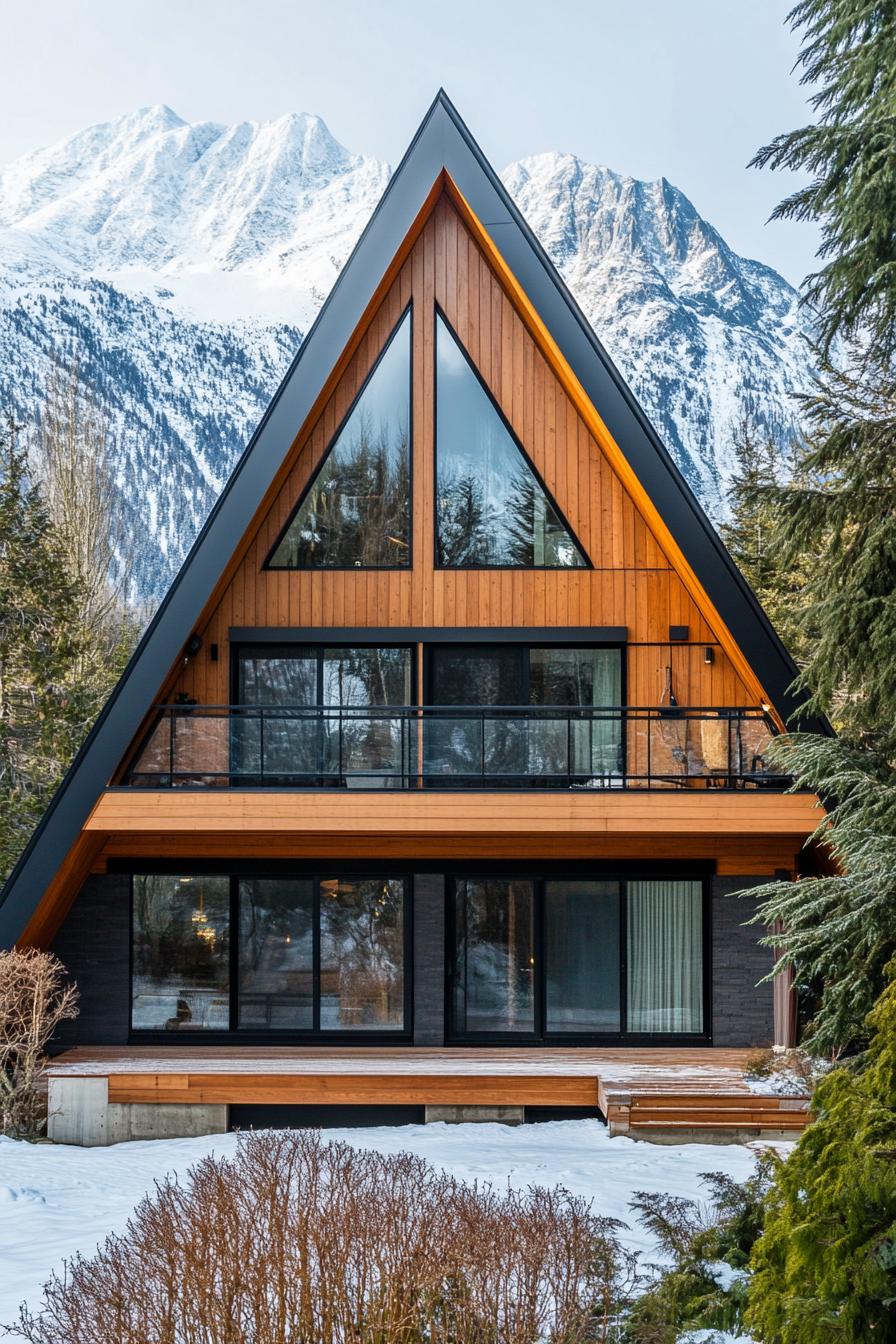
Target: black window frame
x,y
316,871
288,649
548,494
524,647
407,311
539,875
318,648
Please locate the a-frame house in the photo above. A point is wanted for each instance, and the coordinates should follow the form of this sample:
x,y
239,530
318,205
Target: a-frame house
x,y
451,732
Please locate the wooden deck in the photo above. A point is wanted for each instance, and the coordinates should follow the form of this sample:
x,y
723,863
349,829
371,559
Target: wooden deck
x,y
649,1091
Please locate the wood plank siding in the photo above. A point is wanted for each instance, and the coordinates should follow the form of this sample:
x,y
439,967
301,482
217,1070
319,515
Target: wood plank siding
x,y
638,580
631,584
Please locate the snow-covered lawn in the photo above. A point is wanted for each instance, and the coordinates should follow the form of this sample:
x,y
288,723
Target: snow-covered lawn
x,y
56,1200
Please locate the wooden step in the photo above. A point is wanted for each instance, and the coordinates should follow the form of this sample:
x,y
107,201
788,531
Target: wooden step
x,y
721,1122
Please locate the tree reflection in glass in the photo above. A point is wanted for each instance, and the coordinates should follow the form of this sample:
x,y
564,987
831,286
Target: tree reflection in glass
x,y
356,512
494,956
492,510
276,953
181,949
361,954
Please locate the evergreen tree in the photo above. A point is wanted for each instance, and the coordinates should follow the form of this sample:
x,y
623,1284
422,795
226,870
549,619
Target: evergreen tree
x,y
37,647
825,1265
839,929
752,533
839,512
702,1285
65,632
848,56
836,517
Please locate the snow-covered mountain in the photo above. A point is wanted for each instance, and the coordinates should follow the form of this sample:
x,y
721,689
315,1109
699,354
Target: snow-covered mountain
x,y
179,264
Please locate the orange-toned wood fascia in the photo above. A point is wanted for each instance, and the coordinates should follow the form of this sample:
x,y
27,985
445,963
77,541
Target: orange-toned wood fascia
x,y
592,418
357,1089
60,894
424,814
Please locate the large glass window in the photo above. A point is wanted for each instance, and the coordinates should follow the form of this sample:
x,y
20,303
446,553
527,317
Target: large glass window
x,y
361,954
276,953
313,954
576,957
665,956
181,948
491,508
504,742
494,964
316,715
283,740
587,747
582,964
356,512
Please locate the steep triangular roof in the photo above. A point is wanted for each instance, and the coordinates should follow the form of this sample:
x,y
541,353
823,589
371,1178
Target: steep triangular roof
x,y
442,152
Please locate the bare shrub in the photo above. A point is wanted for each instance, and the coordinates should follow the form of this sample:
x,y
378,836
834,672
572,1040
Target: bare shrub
x,y
294,1239
34,999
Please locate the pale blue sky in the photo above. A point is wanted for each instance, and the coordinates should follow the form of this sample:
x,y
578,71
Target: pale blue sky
x,y
685,89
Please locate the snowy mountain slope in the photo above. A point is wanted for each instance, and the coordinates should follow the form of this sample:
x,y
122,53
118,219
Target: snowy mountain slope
x,y
179,263
150,195
180,398
700,333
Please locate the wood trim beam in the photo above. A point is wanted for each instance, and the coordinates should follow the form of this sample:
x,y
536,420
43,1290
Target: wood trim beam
x,y
359,814
355,1089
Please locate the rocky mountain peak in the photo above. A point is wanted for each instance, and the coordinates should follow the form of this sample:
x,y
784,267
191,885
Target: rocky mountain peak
x,y
179,263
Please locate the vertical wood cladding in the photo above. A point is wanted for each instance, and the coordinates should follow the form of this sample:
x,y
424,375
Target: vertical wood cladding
x,y
631,582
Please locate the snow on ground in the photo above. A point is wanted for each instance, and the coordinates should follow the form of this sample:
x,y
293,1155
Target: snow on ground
x,y
783,1083
56,1200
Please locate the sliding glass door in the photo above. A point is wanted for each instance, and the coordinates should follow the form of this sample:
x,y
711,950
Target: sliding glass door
x,y
516,715
582,970
314,955
665,962
494,957
576,958
480,736
586,746
316,715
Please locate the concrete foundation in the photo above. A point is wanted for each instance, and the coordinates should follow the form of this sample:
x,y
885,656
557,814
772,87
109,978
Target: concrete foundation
x,y
79,1112
699,1134
457,1115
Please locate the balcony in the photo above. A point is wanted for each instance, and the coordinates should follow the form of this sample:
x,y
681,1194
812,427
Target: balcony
x,y
457,747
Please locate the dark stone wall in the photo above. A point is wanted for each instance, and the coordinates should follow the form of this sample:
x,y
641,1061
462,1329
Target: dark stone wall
x,y
742,1009
93,945
429,959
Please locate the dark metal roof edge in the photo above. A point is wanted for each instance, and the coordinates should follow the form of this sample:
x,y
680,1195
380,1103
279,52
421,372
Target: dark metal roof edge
x,y
170,627
783,695
8,919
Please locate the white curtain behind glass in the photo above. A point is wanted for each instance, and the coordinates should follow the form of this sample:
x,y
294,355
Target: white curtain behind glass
x,y
665,956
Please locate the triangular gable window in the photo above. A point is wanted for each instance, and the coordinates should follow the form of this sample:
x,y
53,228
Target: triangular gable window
x,y
356,511
492,509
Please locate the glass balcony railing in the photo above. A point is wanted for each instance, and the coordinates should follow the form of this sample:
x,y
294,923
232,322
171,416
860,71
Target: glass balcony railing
x,y
455,747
